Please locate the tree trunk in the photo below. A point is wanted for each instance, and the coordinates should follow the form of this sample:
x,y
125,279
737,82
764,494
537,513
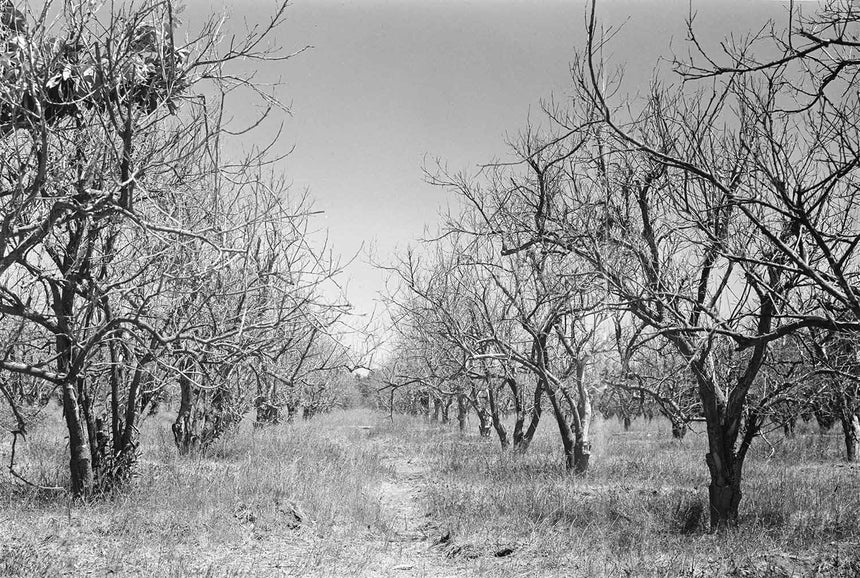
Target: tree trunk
x,y
446,413
724,418
582,448
581,456
80,451
567,438
497,423
183,428
788,427
522,440
825,421
437,409
851,429
679,430
724,501
80,461
461,414
581,424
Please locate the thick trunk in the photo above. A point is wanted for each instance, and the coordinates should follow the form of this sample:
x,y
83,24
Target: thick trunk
x,y
582,447
724,501
725,419
524,440
497,423
567,439
461,414
437,409
724,491
851,429
581,424
80,462
581,456
627,422
446,411
80,450
128,444
183,428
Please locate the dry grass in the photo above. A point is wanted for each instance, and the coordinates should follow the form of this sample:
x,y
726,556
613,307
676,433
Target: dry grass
x,y
230,513
640,512
642,509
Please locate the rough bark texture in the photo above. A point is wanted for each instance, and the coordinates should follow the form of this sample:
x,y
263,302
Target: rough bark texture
x,y
497,422
567,437
461,413
80,460
183,427
851,429
523,439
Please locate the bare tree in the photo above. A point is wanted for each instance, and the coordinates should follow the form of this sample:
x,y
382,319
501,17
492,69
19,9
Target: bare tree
x,y
759,173
104,132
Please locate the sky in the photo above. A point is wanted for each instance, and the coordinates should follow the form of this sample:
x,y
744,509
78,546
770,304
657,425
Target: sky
x,y
390,85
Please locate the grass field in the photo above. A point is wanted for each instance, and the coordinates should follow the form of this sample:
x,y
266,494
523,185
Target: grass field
x,y
351,493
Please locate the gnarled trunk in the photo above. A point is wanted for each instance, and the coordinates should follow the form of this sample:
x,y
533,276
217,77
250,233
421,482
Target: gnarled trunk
x,y
523,439
726,416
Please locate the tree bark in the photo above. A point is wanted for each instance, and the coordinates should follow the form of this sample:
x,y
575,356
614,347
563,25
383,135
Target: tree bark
x,y
80,461
461,414
679,430
567,439
523,439
851,429
183,428
788,427
497,423
724,417
80,451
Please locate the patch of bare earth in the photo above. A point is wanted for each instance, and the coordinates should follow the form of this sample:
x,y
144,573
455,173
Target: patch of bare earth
x,y
414,544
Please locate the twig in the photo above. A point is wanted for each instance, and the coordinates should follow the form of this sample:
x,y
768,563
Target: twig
x,y
772,448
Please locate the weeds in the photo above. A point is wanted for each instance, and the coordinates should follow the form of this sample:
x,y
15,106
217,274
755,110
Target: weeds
x,y
300,499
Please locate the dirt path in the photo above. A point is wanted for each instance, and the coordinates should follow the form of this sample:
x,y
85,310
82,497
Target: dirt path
x,y
400,497
407,549
414,545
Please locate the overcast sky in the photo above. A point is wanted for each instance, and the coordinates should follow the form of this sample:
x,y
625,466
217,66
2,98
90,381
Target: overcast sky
x,y
390,83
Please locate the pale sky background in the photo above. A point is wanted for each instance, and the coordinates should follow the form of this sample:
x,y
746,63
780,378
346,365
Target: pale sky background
x,y
390,83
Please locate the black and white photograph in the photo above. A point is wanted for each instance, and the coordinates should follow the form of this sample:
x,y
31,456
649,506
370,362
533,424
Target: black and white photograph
x,y
430,288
